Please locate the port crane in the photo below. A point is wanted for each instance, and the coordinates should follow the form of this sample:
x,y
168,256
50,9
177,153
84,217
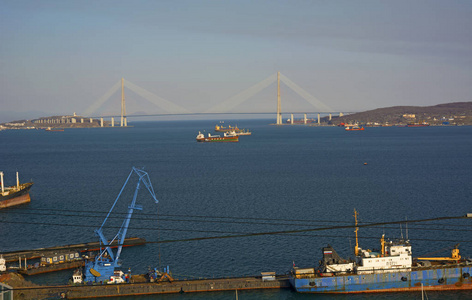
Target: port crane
x,y
454,256
102,267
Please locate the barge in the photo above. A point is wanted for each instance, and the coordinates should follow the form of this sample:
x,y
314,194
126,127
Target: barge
x,y
83,247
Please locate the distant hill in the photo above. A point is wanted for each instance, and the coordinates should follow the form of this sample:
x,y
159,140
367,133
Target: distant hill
x,y
458,113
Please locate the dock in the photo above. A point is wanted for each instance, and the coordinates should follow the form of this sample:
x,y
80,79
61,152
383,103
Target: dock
x,y
147,288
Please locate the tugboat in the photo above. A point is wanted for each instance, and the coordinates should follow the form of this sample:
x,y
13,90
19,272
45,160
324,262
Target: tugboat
x,y
217,138
392,269
14,195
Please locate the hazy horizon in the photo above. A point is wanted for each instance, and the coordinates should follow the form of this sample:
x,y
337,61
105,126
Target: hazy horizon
x,y
61,57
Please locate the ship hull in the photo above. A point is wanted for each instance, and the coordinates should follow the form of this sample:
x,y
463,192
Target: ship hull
x,y
450,278
218,139
20,197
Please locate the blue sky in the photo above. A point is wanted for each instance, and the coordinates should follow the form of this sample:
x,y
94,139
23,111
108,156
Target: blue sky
x,y
59,57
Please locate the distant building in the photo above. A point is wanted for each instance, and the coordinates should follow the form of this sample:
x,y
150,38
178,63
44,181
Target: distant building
x,y
409,116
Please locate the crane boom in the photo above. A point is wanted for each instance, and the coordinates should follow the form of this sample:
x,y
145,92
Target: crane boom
x,y
104,264
454,255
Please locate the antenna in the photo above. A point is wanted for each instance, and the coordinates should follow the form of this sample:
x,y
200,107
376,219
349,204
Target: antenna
x,y
401,231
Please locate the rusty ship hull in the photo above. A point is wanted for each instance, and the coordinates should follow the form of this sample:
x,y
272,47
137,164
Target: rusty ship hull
x,y
13,196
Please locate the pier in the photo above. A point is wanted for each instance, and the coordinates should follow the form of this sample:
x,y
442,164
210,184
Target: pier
x,y
135,288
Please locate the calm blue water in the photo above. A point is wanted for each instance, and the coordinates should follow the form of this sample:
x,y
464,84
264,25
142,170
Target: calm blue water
x,y
278,179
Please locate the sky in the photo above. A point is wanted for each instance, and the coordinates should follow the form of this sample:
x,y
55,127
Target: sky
x,y
60,57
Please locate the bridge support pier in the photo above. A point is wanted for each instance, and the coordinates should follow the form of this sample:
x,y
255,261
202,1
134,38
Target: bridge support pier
x,y
304,120
112,122
291,119
101,122
319,120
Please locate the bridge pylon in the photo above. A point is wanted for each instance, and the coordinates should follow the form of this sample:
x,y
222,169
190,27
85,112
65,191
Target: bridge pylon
x,y
279,104
123,122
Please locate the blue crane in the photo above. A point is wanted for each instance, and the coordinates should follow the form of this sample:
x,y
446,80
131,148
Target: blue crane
x,y
103,265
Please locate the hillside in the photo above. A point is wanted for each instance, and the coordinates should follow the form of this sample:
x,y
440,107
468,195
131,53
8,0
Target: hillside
x,y
458,113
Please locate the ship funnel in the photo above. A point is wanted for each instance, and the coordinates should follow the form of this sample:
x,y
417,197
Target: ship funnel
x,y
1,176
17,180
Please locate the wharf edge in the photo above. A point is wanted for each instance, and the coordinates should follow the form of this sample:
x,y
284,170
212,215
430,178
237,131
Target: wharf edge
x,y
146,288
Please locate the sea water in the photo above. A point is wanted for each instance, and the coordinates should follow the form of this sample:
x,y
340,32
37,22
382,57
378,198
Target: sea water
x,y
279,180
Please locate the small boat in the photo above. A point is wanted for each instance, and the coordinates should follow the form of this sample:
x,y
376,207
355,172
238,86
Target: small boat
x,y
14,195
227,137
353,127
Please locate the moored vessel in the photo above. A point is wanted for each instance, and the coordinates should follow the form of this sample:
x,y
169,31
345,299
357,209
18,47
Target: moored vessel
x,y
227,137
221,128
392,269
353,127
14,195
241,132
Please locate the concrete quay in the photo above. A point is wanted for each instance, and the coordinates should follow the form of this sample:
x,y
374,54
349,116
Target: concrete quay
x,y
146,288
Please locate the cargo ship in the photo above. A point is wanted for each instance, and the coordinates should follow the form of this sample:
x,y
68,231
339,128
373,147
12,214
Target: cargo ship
x,y
392,269
241,132
14,195
216,138
219,128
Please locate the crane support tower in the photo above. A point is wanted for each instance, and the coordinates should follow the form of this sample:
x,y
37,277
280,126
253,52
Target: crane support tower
x,y
102,267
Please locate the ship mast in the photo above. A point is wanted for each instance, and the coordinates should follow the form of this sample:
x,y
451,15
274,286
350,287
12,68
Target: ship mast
x,y
356,249
382,245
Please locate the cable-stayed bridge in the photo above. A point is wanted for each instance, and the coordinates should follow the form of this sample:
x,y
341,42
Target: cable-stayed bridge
x,y
227,106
